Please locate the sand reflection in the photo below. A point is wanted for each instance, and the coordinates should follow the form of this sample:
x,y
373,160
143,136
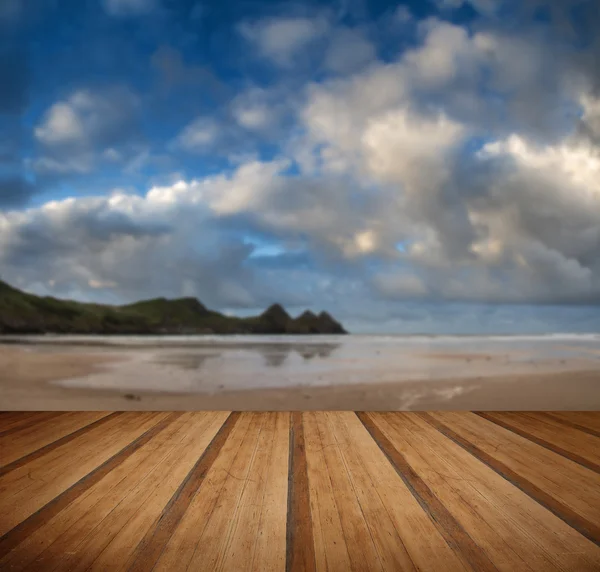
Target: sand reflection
x,y
272,355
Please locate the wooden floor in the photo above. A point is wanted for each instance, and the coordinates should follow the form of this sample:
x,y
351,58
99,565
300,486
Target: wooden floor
x,y
299,491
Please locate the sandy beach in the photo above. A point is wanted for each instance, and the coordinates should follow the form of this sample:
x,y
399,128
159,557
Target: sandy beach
x,y
300,375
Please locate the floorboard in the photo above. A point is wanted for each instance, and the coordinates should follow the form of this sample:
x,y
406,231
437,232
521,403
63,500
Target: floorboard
x,y
300,491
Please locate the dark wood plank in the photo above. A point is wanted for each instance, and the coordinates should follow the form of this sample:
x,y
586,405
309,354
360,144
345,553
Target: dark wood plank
x,y
300,554
152,545
572,456
55,444
566,514
17,534
454,534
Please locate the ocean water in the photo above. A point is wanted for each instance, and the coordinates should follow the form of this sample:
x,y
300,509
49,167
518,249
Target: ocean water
x,y
351,339
200,364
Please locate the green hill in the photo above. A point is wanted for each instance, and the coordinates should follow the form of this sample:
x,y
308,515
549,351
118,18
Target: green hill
x,y
23,313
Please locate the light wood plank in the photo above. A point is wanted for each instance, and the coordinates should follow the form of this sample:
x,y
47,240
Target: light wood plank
x,y
526,458
42,432
82,515
250,519
574,423
201,532
132,518
211,549
361,547
516,530
405,536
270,548
385,491
581,448
12,423
30,487
331,550
590,419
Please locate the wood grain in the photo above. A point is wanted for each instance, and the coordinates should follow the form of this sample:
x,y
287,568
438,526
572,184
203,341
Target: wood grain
x,y
333,490
151,546
26,527
587,528
55,444
559,442
454,534
557,421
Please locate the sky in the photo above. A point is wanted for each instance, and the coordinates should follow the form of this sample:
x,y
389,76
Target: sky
x,y
427,166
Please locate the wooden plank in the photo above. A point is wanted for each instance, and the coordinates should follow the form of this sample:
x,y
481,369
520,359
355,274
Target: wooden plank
x,y
511,452
20,421
589,419
514,531
362,513
249,520
331,550
25,528
114,539
64,552
62,458
582,449
455,535
181,546
270,547
152,545
300,545
560,422
42,432
359,541
54,538
209,552
525,525
28,458
27,488
404,535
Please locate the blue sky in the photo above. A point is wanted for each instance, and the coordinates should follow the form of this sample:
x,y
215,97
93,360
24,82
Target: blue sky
x,y
424,166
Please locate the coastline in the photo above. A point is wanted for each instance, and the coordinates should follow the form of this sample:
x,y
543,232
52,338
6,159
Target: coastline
x,y
30,381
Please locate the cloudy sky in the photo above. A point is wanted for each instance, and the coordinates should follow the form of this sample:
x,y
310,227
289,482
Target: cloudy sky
x,y
426,166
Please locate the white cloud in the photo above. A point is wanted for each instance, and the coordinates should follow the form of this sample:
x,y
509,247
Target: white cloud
x,y
199,135
348,51
591,116
575,165
62,124
281,39
447,51
404,148
81,164
253,118
388,198
255,109
87,118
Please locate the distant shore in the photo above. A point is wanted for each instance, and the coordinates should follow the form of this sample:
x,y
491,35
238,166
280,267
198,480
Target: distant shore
x,y
83,378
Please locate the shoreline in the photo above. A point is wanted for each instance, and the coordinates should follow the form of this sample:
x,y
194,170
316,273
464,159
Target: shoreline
x,y
29,383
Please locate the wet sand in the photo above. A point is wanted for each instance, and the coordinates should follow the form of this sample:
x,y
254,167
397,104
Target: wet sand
x,y
88,378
